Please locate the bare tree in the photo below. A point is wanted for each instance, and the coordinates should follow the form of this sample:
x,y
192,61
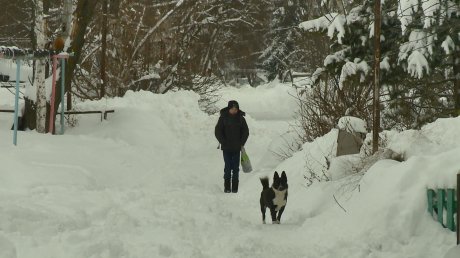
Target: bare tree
x,y
40,76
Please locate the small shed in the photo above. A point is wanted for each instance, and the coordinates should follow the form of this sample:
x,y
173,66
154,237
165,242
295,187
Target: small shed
x,y
352,132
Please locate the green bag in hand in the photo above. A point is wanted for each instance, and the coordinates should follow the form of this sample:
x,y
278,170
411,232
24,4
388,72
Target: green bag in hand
x,y
245,162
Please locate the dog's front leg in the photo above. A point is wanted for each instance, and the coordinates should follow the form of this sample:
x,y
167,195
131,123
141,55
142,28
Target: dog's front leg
x,y
280,212
273,213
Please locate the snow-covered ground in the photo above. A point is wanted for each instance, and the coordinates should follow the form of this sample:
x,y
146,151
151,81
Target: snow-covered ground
x,y
148,183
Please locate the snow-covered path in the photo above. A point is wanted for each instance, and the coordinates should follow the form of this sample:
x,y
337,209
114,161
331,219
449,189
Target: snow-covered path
x,y
148,183
136,188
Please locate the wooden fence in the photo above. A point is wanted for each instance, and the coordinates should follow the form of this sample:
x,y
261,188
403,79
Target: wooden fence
x,y
443,204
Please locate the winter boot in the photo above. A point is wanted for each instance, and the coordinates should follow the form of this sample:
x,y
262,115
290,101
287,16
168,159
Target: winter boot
x,y
226,185
235,186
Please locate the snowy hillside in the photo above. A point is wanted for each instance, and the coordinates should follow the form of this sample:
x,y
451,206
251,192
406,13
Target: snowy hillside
x,y
148,183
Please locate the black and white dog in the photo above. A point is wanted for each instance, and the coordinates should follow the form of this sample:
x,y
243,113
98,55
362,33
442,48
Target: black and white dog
x,y
274,197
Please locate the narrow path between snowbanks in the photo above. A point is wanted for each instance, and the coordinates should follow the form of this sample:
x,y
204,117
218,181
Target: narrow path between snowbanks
x,y
145,183
148,183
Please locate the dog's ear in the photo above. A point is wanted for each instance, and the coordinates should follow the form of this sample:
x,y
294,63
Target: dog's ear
x,y
276,176
284,177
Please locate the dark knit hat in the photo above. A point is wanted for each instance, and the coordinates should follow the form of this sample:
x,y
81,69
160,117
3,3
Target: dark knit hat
x,y
233,103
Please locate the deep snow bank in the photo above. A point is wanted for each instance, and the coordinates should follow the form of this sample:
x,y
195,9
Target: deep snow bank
x,y
385,209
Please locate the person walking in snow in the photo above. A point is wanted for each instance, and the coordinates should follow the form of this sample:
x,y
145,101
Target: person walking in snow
x,y
232,132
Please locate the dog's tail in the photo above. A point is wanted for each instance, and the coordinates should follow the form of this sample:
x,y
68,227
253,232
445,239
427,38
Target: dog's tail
x,y
264,181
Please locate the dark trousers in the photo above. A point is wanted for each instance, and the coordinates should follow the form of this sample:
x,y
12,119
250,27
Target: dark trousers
x,y
232,164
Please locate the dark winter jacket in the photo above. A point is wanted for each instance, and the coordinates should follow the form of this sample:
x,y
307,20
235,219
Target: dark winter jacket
x,y
231,131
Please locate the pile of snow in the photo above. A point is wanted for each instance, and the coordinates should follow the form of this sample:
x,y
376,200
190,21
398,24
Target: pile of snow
x,y
352,124
313,159
383,210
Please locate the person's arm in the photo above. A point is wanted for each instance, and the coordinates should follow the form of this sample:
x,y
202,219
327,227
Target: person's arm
x,y
244,132
219,130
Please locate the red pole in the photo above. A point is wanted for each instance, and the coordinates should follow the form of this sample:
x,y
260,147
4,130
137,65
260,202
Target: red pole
x,y
53,93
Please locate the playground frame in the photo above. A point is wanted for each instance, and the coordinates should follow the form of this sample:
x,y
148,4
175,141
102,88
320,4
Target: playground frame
x,y
19,55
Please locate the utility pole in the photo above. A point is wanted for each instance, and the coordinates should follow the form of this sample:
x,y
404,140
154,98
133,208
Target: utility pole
x,y
376,109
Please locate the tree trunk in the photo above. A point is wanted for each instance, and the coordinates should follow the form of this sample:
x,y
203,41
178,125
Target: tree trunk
x,y
33,39
82,17
65,33
376,109
33,119
103,46
40,75
456,70
30,115
66,20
